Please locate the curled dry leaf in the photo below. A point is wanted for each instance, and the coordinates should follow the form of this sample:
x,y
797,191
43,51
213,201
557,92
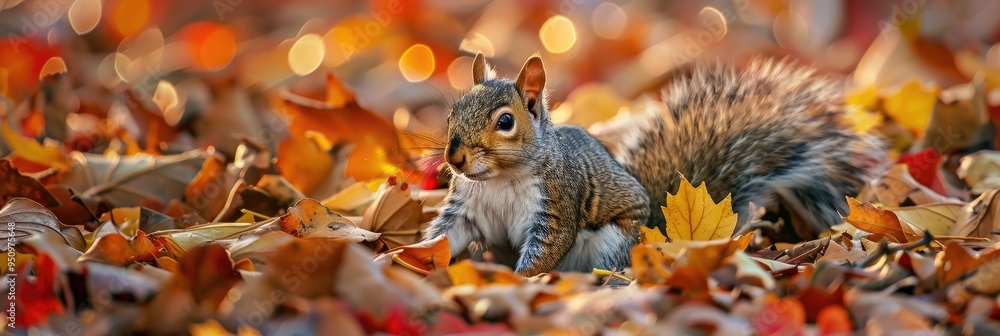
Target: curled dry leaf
x,y
209,191
936,218
396,215
141,180
875,219
24,217
960,120
116,249
897,188
422,257
692,214
981,171
979,218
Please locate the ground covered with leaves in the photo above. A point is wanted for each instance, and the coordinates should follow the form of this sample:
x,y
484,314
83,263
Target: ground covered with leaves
x,y
206,184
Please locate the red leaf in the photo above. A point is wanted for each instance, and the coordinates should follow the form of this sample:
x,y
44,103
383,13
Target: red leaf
x,y
924,167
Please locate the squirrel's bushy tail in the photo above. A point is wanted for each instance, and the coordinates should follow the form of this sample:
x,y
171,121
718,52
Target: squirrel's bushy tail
x,y
773,134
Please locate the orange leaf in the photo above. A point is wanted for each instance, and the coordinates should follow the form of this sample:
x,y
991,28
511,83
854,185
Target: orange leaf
x,y
875,219
115,249
466,272
422,257
648,265
377,150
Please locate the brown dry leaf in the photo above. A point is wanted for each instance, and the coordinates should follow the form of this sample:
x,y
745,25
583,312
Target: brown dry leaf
x,y
314,165
979,218
152,125
209,191
692,214
750,271
209,273
396,215
377,150
954,125
18,185
141,180
896,188
130,220
875,219
24,217
981,171
309,218
955,261
422,257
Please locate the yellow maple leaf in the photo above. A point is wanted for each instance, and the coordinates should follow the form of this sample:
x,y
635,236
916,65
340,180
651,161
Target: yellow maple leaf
x,y
651,236
911,106
693,215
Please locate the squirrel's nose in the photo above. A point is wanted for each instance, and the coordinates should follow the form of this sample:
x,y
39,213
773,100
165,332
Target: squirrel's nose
x,y
458,162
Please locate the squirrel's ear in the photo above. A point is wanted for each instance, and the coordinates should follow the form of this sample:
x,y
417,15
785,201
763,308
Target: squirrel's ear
x,y
481,71
531,82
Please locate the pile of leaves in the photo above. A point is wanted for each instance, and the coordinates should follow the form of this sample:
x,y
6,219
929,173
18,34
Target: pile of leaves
x,y
211,201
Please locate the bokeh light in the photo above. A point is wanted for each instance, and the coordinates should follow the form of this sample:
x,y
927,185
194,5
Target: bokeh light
x,y
306,54
609,20
130,16
84,15
212,46
417,63
558,34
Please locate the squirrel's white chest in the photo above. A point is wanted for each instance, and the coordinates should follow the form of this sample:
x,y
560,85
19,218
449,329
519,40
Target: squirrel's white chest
x,y
502,209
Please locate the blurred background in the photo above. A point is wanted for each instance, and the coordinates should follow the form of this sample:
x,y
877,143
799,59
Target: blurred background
x,y
202,65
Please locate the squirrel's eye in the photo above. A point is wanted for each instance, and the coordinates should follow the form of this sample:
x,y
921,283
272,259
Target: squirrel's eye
x,y
506,122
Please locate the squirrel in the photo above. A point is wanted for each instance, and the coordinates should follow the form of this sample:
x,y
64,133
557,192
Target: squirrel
x,y
541,197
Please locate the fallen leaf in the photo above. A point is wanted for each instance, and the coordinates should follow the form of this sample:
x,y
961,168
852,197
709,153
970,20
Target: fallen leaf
x,y
323,174
377,150
981,171
115,249
875,219
209,191
936,218
396,215
422,257
23,217
692,214
18,185
979,218
651,236
132,181
897,188
46,155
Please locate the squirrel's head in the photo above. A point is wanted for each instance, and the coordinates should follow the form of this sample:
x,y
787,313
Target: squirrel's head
x,y
495,127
